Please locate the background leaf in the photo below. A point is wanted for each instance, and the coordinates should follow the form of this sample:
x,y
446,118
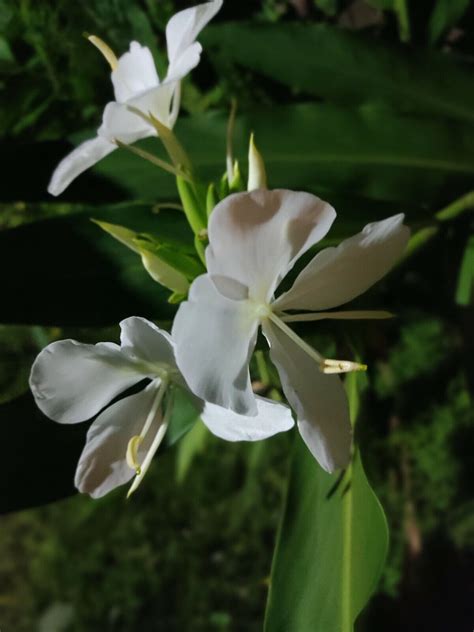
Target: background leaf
x,y
445,15
330,551
348,68
68,271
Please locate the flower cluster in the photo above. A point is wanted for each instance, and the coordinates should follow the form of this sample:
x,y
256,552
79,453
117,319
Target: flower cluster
x,y
254,239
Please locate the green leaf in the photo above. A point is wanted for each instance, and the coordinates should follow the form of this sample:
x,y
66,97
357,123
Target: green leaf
x,y
329,7
465,288
40,456
445,15
330,551
366,151
67,271
347,68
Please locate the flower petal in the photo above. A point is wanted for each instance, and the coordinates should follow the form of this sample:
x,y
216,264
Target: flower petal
x,y
79,160
214,339
143,340
102,465
256,237
181,33
270,419
135,73
337,275
319,401
72,382
122,123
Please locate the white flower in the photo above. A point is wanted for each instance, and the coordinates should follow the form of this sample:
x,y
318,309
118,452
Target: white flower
x,y
73,382
137,88
255,239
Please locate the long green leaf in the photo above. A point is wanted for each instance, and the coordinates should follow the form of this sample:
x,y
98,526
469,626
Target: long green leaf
x,y
40,456
67,271
369,151
348,68
330,552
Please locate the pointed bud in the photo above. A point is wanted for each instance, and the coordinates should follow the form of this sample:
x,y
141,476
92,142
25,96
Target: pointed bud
x,y
257,173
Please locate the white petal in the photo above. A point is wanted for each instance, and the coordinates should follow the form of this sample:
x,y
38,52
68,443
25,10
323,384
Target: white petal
x,y
181,33
270,419
79,160
337,275
72,382
319,401
135,73
214,339
256,237
102,465
122,123
145,341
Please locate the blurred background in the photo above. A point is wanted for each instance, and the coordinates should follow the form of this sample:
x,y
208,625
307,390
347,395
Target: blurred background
x,y
370,104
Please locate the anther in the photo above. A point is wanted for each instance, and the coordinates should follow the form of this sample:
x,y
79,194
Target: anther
x,y
340,366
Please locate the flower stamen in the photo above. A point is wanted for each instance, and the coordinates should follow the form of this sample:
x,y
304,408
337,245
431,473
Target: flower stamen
x,y
105,49
154,447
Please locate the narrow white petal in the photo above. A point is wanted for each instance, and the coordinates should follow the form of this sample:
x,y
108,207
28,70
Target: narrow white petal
x,y
145,341
256,237
181,33
103,465
337,275
319,400
135,73
270,419
214,339
72,382
79,160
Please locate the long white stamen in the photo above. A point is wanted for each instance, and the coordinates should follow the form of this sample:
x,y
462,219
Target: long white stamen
x,y
135,441
325,365
349,315
153,448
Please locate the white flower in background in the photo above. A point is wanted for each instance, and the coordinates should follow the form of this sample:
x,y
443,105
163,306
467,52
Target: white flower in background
x,y
137,88
255,238
73,382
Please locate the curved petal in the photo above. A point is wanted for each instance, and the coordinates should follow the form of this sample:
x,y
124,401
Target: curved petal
x,y
337,275
143,340
181,33
214,339
270,419
102,465
72,382
86,155
122,123
135,73
319,401
119,123
256,237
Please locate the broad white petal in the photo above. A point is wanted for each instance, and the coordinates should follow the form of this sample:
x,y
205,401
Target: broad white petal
x,y
72,382
256,237
86,155
102,465
337,275
270,419
122,123
119,123
143,340
319,401
135,73
181,33
214,339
